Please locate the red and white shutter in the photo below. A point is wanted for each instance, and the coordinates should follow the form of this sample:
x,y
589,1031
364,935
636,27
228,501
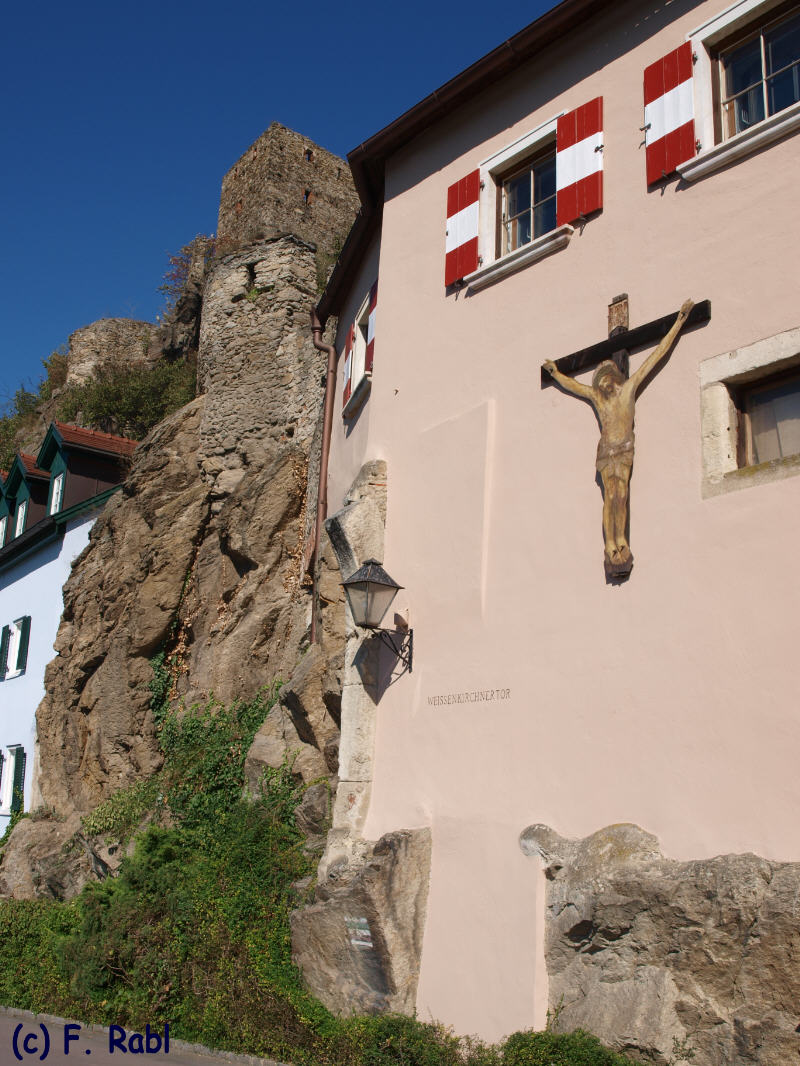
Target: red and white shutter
x,y
579,162
461,241
373,303
348,366
669,113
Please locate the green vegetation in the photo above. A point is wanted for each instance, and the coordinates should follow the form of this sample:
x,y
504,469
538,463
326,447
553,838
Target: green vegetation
x,y
129,400
19,413
194,929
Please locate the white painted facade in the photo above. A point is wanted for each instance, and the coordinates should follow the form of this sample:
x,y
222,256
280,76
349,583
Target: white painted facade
x,y
33,587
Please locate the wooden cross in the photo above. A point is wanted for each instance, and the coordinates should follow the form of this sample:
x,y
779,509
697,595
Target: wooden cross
x,y
622,340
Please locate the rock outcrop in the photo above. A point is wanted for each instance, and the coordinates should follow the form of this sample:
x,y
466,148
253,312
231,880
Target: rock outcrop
x,y
360,945
644,950
202,556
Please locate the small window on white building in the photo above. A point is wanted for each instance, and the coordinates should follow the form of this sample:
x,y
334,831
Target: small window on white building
x,y
22,513
14,641
58,494
12,781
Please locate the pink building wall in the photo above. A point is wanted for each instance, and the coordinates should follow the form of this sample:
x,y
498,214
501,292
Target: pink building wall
x,y
670,700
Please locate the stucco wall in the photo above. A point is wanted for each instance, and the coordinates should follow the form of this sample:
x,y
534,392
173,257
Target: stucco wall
x,y
34,587
668,701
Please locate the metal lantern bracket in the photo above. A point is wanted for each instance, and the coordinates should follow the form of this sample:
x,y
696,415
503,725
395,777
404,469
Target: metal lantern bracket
x,y
404,650
370,591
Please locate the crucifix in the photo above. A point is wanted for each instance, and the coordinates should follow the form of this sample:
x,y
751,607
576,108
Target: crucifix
x,y
612,394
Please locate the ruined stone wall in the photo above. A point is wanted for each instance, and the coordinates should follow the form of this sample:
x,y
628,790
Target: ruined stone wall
x,y
122,339
284,183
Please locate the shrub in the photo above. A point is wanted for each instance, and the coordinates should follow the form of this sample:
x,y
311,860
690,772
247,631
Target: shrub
x,y
130,400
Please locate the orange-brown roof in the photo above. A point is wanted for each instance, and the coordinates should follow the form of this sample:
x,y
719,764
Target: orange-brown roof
x,y
95,439
29,462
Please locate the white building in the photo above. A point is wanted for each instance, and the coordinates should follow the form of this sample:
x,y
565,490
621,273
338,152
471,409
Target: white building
x,y
47,508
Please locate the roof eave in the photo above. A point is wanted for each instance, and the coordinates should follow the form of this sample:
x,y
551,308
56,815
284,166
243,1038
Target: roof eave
x,y
367,161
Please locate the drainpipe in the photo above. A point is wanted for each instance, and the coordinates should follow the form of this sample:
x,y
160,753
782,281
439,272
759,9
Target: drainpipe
x,y
327,426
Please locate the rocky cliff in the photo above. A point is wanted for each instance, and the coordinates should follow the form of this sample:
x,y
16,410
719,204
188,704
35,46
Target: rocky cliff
x,y
201,557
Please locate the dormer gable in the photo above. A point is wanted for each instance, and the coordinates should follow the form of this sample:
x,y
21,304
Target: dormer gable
x,y
82,463
27,489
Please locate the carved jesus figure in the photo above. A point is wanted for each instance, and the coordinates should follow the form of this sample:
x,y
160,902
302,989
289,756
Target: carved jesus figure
x,y
614,398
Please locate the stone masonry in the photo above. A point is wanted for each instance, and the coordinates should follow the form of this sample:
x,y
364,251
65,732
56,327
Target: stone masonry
x,y
122,339
284,183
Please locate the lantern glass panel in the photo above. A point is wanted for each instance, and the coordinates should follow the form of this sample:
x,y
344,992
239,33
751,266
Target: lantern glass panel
x,y
378,599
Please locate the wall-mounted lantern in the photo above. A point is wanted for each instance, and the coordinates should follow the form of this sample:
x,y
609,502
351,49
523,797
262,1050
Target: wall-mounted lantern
x,y
370,592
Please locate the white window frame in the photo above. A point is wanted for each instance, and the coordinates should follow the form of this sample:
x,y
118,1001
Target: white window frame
x,y
15,635
21,517
492,170
361,384
57,494
704,40
3,527
719,418
7,781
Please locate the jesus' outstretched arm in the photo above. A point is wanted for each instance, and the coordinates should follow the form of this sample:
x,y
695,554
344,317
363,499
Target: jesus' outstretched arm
x,y
575,387
658,353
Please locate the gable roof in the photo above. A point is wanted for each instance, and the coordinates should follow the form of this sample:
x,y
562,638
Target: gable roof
x,y
31,469
95,440
87,440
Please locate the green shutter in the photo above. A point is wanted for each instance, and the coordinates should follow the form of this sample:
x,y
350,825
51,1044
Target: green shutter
x,y
4,642
18,788
24,639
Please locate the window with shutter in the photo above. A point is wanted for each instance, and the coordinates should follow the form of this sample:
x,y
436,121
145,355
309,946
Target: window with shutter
x,y
5,641
461,233
579,162
18,778
746,83
518,206
669,113
347,368
360,355
14,648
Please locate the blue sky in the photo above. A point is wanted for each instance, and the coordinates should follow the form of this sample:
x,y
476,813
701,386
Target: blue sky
x,y
119,121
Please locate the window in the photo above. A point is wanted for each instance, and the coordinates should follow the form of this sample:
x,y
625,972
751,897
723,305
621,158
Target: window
x,y
57,494
359,353
528,202
759,75
22,511
519,205
14,640
746,83
12,779
769,422
750,412
3,524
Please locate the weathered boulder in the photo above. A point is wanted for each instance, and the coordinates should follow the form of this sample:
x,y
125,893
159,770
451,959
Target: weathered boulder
x,y
50,860
644,950
359,946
